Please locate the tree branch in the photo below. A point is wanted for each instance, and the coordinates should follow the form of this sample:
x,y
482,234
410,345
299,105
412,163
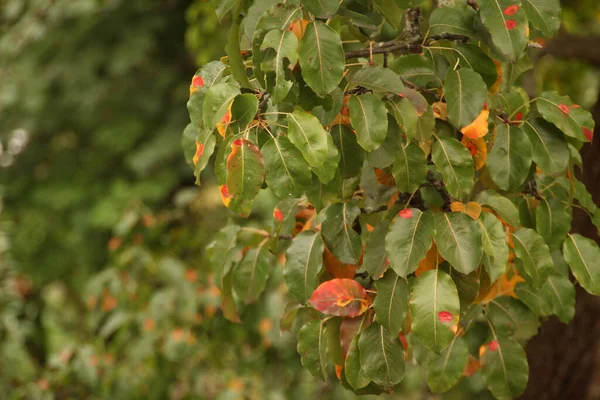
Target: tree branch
x,y
413,45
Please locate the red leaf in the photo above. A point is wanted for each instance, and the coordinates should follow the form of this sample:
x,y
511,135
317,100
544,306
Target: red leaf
x,y
341,297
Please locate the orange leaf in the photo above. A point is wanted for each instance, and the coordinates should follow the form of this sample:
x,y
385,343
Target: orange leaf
x,y
472,209
385,177
478,150
336,268
224,122
341,298
472,366
504,286
479,127
298,28
429,262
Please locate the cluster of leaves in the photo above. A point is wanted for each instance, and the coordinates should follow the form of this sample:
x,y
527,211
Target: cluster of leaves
x,y
426,200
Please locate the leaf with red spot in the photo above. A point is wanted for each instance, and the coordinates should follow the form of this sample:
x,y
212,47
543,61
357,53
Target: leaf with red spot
x,y
198,146
434,295
245,175
341,297
507,26
217,102
561,111
408,240
504,367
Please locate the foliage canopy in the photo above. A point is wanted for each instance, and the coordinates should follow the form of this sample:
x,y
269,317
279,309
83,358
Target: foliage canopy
x,y
425,198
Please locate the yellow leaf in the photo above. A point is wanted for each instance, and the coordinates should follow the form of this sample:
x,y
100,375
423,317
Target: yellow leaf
x,y
478,150
494,89
440,110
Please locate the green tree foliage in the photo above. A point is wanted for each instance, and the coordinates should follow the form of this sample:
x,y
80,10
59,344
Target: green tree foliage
x,y
439,189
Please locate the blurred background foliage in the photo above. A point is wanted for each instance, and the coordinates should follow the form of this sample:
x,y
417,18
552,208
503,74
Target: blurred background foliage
x,y
105,287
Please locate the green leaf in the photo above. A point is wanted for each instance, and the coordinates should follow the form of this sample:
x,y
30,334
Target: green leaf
x,y
222,7
465,93
505,208
381,357
515,103
328,170
245,175
459,240
343,242
531,249
408,240
509,161
383,156
368,116
410,168
572,121
562,292
544,15
415,68
323,9
243,110
553,221
507,26
446,369
321,58
188,143
312,347
510,317
434,309
405,114
549,148
355,375
279,16
287,173
236,64
217,101
284,216
582,255
391,11
375,259
351,154
285,47
304,260
425,121
495,248
455,20
378,79
307,134
391,303
255,12
536,300
250,276
505,370
455,163
224,252
471,56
